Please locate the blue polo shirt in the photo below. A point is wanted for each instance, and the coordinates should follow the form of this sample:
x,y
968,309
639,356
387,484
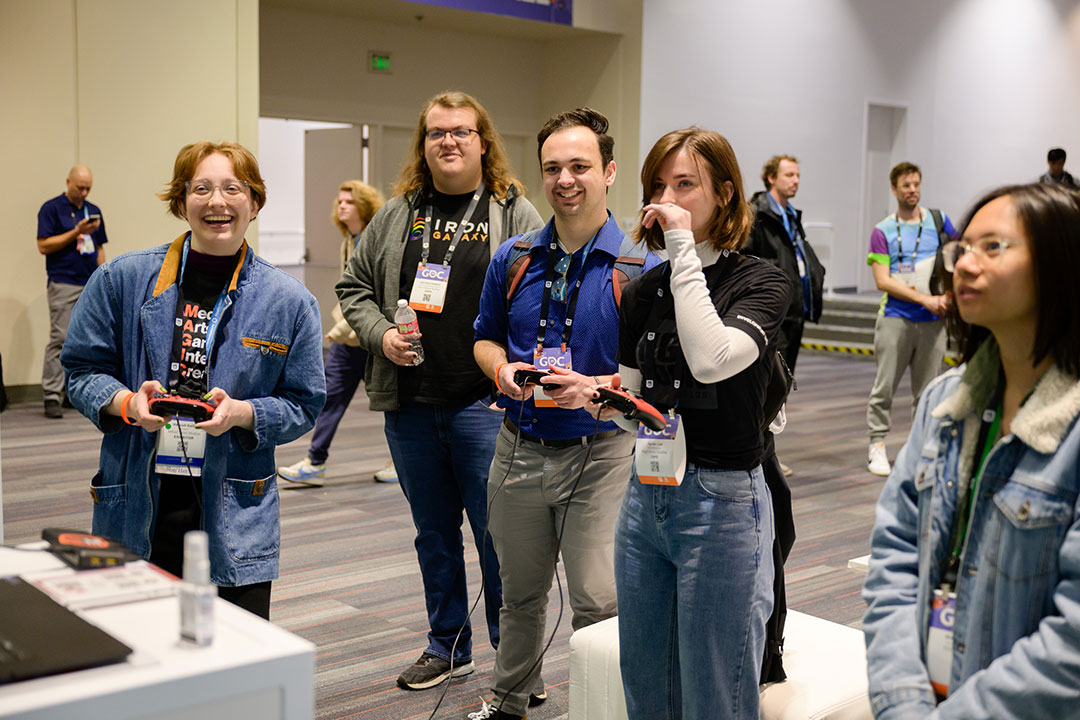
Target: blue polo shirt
x,y
595,336
68,265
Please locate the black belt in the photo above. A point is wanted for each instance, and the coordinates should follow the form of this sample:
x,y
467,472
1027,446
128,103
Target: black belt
x,y
560,443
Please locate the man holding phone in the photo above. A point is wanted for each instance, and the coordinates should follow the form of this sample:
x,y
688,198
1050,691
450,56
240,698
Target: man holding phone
x,y
71,236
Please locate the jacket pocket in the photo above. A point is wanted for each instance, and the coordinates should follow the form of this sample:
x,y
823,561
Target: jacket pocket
x,y
252,526
110,506
1032,524
265,346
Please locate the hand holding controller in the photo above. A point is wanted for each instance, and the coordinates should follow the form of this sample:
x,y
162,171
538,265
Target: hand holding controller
x,y
175,405
631,407
526,376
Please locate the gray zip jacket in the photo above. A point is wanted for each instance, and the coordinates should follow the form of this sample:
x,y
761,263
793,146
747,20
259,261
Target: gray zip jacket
x,y
370,287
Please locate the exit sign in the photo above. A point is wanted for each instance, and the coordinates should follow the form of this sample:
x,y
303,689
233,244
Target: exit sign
x,y
379,62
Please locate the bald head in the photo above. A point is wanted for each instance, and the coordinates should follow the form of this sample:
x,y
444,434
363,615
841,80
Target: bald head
x,y
79,182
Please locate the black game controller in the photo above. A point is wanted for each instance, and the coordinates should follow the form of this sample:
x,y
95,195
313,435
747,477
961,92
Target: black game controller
x,y
631,407
525,377
175,405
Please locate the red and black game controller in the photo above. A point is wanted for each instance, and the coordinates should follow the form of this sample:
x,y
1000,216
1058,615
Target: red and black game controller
x,y
177,406
631,407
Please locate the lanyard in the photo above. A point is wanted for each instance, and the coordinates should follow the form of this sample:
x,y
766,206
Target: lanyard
x,y
469,211
215,316
988,432
572,294
900,242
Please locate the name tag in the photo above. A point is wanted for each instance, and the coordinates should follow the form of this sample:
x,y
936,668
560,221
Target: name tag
x,y
939,642
660,457
181,448
801,264
547,359
85,245
429,288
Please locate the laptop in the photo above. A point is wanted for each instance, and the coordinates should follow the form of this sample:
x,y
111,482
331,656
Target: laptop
x,y
39,637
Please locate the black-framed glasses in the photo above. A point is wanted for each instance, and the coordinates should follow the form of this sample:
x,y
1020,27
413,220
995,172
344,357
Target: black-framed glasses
x,y
558,288
230,189
459,134
985,250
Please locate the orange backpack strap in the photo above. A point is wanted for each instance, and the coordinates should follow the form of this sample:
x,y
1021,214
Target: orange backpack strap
x,y
629,264
517,264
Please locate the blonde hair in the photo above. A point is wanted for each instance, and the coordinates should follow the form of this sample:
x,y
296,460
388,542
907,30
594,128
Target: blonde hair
x,y
367,199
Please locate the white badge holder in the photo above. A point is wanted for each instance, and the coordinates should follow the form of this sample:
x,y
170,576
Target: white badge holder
x,y
660,456
429,288
916,276
181,448
939,641
85,245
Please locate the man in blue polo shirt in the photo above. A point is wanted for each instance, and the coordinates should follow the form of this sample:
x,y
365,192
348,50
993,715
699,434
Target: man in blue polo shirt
x,y
568,476
70,234
909,331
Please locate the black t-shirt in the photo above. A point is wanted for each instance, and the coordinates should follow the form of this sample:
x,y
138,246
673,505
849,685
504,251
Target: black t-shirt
x,y
449,374
722,421
205,276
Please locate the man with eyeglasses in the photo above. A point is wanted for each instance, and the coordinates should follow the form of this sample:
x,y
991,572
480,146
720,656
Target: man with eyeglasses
x,y
454,204
909,331
550,303
71,236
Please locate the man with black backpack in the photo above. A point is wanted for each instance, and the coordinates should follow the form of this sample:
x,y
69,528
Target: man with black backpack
x,y
909,331
550,302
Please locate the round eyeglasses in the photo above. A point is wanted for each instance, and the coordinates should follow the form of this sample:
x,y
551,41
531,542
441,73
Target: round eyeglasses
x,y
985,251
459,134
230,189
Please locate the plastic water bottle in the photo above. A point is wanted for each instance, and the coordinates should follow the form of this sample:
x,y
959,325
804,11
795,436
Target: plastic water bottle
x,y
407,324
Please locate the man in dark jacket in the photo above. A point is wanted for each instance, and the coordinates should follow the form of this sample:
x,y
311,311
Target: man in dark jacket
x,y
778,237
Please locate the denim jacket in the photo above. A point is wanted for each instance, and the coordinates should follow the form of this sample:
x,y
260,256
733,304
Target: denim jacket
x,y
267,350
1016,643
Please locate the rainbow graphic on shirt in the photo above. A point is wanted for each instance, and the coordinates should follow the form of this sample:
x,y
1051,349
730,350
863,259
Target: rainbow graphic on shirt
x,y
417,228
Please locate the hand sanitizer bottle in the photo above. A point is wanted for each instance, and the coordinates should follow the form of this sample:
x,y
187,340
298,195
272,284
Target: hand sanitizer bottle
x,y
196,591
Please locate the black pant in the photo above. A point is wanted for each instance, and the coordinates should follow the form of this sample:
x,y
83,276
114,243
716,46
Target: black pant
x,y
180,510
772,669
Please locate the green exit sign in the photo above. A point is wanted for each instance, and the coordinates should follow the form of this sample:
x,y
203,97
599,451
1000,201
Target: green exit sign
x,y
379,62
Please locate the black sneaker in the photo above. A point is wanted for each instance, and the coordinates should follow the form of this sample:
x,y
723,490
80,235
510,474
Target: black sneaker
x,y
429,671
538,697
52,409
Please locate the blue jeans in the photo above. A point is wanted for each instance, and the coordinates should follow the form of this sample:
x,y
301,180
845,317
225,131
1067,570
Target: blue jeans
x,y
694,573
344,371
442,454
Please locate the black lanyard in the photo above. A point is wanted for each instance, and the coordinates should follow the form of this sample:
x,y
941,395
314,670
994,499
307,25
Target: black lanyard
x,y
900,242
572,294
467,217
988,431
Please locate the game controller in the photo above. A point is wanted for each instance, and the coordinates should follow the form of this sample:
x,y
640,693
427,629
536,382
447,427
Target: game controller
x,y
525,377
175,405
631,407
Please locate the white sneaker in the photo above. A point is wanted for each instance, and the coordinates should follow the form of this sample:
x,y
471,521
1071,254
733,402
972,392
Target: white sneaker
x,y
878,461
303,472
388,474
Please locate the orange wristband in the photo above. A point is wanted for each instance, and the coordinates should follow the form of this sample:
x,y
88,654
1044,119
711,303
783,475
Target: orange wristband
x,y
499,367
123,408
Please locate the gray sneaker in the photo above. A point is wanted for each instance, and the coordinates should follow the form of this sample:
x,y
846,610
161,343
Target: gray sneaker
x,y
429,671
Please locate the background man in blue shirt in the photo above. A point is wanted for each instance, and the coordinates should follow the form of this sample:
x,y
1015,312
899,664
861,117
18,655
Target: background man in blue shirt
x,y
70,234
568,473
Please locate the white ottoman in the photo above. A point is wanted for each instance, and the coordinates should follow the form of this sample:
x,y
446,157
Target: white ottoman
x,y
825,664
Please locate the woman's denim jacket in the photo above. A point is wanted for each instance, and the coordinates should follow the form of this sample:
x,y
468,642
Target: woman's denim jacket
x,y
267,350
1016,643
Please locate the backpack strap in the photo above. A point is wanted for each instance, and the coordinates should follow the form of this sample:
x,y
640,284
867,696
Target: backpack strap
x,y
518,262
629,264
939,223
938,273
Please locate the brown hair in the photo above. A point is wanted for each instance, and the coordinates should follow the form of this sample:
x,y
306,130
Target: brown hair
x,y
416,175
904,168
730,225
582,117
1050,216
367,199
244,165
772,168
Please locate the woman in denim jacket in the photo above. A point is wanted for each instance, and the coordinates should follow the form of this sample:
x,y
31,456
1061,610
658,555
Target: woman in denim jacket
x,y
203,318
977,529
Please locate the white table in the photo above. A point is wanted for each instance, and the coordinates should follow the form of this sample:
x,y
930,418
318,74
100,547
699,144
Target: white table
x,y
253,669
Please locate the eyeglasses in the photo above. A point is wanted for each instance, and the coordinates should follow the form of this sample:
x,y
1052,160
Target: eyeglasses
x,y
986,251
558,288
459,134
230,189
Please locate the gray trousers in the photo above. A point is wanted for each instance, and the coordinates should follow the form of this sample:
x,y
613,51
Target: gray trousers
x,y
62,297
898,344
527,511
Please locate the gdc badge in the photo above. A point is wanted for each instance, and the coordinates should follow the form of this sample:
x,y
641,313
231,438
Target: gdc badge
x,y
546,360
429,287
660,456
181,448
